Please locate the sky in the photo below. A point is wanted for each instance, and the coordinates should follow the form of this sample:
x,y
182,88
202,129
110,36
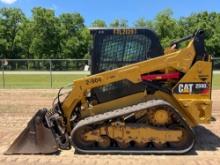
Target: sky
x,y
109,10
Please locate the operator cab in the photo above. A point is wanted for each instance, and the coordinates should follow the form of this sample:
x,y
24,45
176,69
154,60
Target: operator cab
x,y
117,47
114,48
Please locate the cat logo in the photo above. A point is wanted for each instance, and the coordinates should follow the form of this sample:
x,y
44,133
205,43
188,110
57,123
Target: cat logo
x,y
185,88
192,88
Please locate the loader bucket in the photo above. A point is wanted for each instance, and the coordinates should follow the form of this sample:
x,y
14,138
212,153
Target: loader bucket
x,y
35,138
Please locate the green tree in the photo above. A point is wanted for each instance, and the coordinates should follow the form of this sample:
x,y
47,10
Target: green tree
x,y
10,23
45,35
210,22
74,36
141,22
24,39
119,23
45,41
166,27
98,23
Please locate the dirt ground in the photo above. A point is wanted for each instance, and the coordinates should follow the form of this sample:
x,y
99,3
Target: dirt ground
x,y
17,107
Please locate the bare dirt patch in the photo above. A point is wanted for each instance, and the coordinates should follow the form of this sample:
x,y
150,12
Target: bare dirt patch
x,y
18,106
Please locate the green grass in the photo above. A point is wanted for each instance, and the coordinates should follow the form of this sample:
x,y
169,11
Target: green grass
x,y
38,81
216,81
59,80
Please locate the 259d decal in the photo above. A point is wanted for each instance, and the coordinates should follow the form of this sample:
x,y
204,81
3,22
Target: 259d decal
x,y
192,88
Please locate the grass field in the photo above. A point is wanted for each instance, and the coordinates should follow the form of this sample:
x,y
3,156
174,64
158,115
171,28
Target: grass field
x,y
216,81
59,79
38,80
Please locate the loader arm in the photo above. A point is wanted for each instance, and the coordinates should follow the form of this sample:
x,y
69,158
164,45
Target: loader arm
x,y
180,60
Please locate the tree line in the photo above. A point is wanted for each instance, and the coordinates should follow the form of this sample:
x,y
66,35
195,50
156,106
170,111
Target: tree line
x,y
45,35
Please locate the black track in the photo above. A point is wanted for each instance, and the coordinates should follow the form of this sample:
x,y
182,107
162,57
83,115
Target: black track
x,y
94,120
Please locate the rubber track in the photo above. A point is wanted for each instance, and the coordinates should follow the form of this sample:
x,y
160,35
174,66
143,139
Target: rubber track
x,y
125,111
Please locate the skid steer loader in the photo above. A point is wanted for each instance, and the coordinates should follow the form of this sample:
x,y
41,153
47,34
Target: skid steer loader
x,y
139,98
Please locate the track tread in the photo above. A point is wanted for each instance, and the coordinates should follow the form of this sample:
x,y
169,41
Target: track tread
x,y
125,111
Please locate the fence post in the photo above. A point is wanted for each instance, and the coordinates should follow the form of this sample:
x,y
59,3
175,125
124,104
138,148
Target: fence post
x,y
3,75
28,65
51,76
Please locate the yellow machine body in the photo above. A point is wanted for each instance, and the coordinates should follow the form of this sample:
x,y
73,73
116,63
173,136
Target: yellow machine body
x,y
196,108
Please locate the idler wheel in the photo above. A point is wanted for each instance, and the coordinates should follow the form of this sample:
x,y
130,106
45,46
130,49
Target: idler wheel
x,y
104,142
79,137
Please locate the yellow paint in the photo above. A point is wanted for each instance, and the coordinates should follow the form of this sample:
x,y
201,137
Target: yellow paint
x,y
194,108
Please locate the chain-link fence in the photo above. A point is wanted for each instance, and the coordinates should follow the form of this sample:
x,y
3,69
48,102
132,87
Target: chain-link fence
x,y
54,73
41,73
216,64
216,73
44,64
